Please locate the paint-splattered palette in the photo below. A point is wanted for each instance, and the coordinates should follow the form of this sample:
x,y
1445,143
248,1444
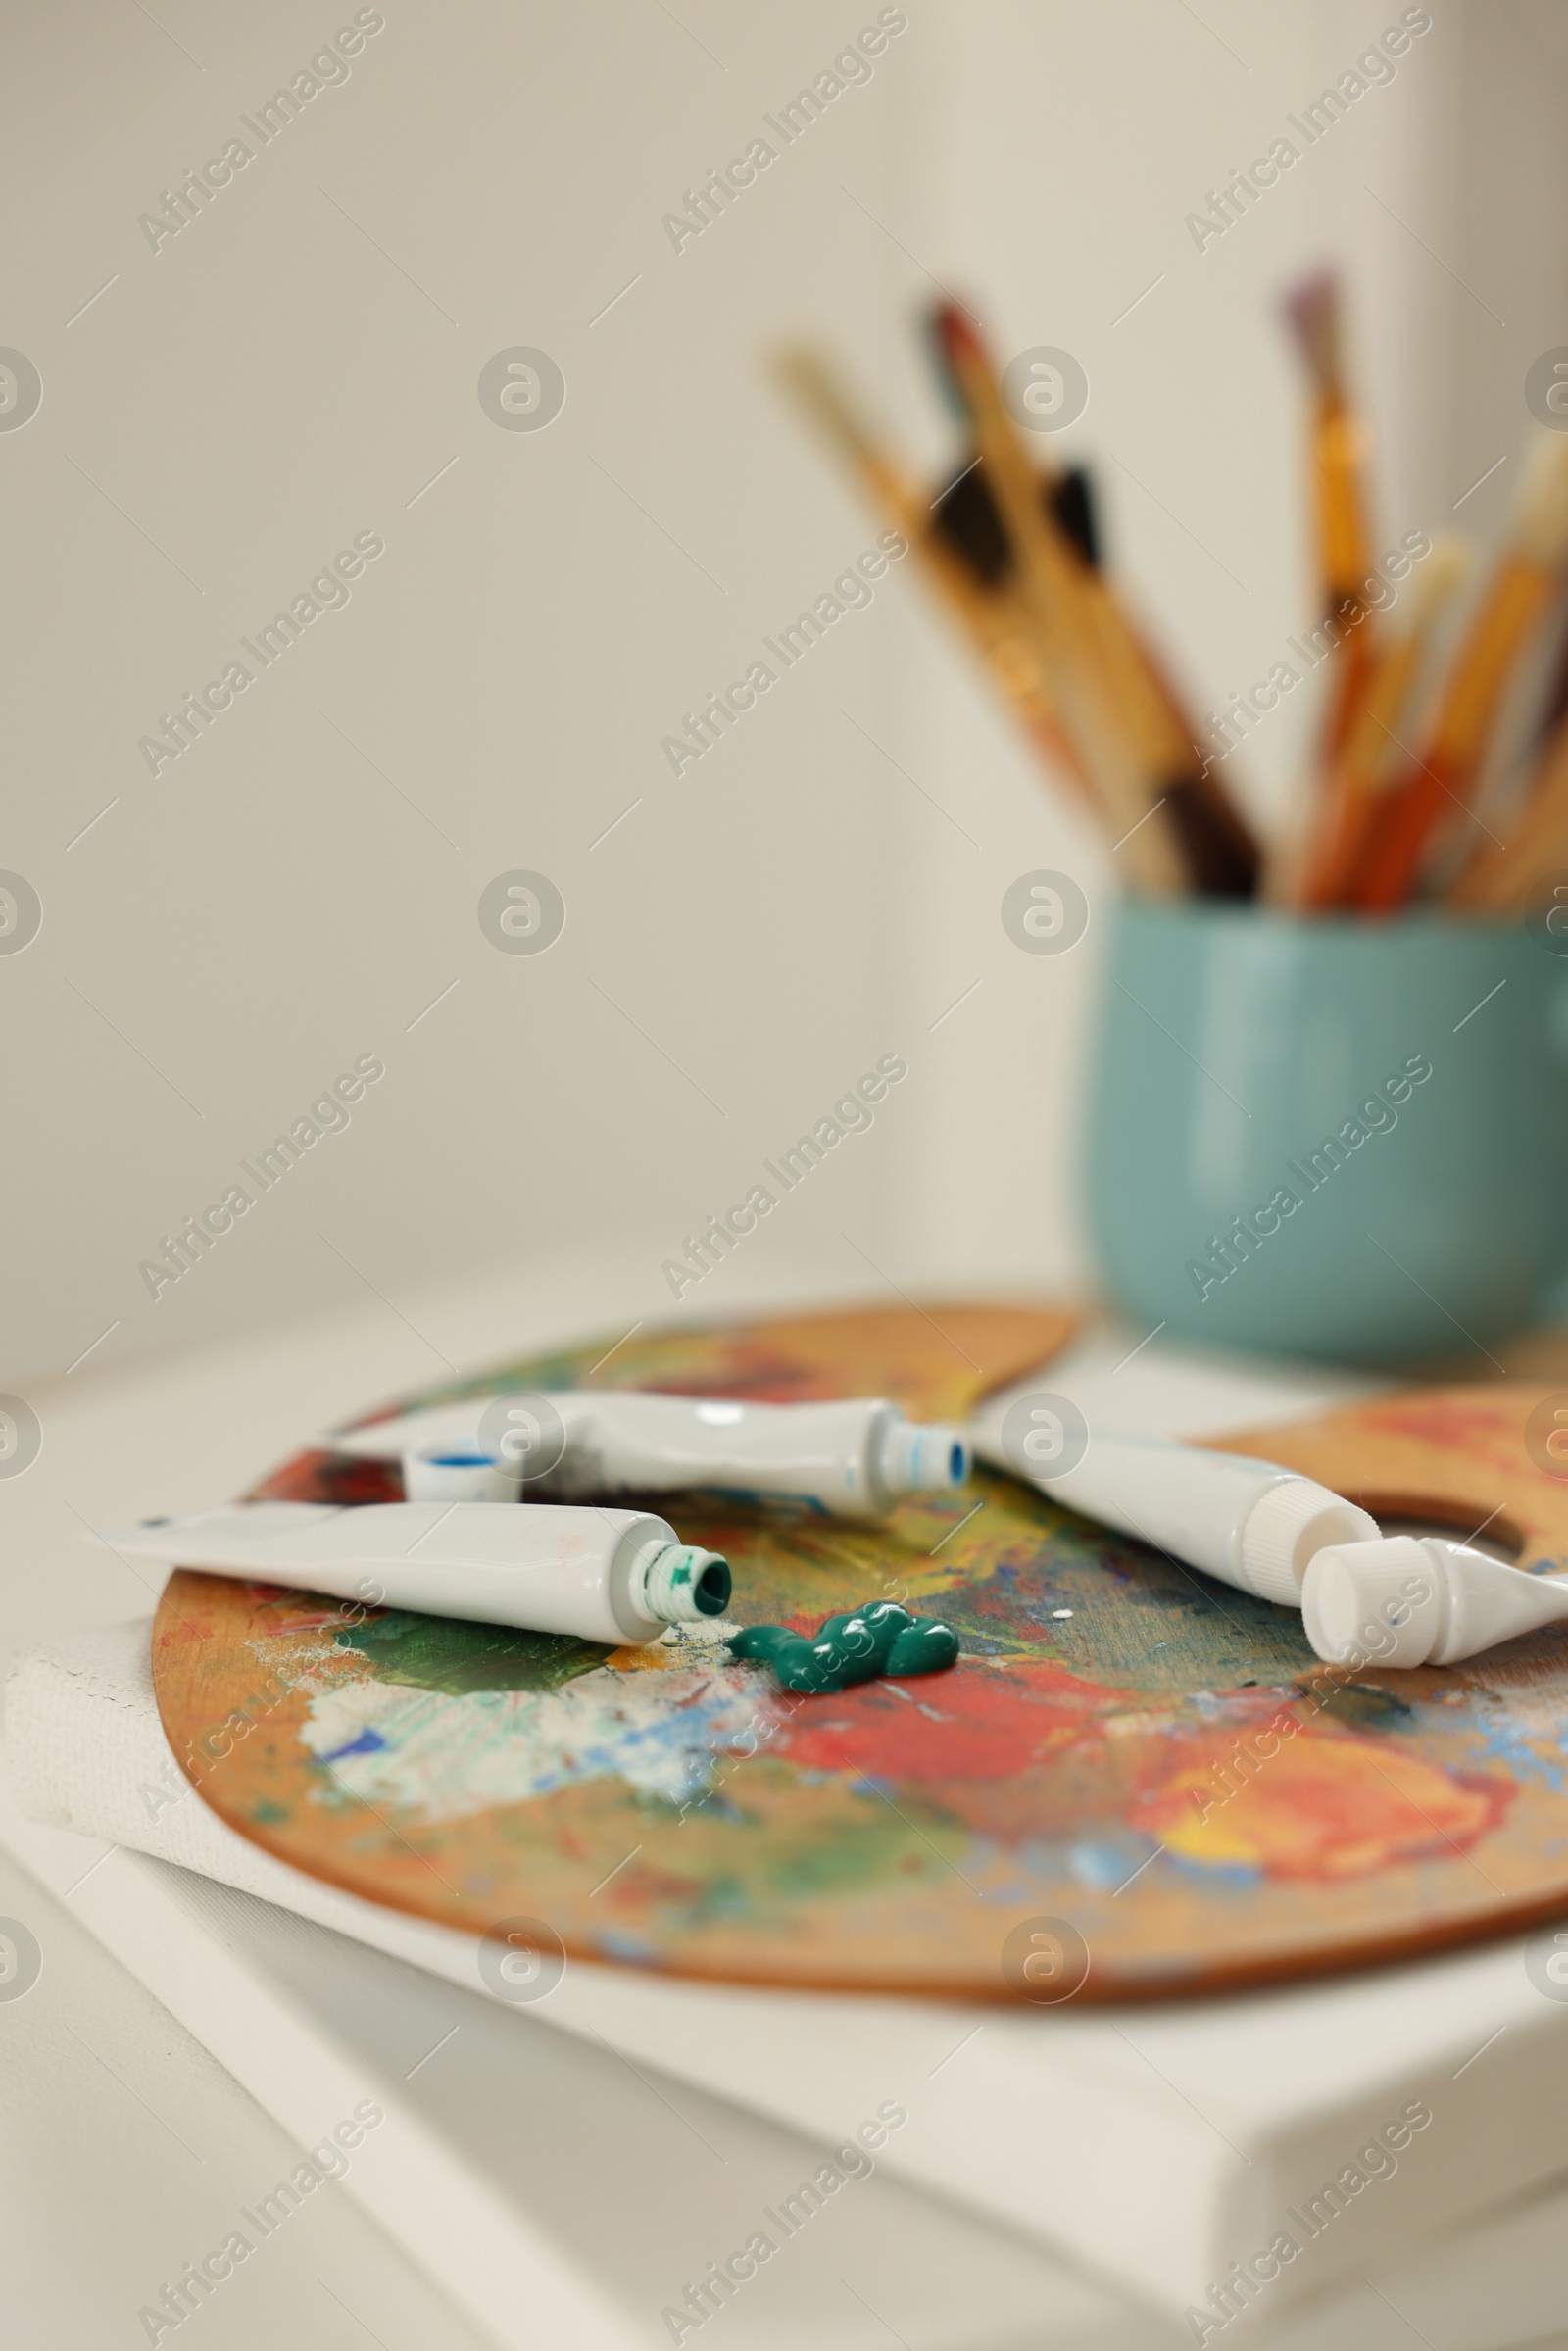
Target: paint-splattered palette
x,y
1151,1762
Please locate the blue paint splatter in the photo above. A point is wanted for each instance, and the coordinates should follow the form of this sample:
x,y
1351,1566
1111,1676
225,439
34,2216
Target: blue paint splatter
x,y
1110,1862
633,1950
368,1743
1217,1876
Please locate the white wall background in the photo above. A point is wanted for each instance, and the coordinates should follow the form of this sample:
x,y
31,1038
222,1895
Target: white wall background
x,y
300,362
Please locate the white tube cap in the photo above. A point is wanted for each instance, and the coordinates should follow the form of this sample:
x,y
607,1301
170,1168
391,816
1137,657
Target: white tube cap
x,y
1374,1604
457,1473
921,1457
1421,1600
1289,1523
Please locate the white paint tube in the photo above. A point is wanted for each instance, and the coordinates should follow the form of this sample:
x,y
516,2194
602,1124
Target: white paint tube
x,y
1252,1523
1413,1599
856,1458
604,1575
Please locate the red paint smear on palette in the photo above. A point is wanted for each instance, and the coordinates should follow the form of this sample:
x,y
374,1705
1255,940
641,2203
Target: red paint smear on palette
x,y
975,1722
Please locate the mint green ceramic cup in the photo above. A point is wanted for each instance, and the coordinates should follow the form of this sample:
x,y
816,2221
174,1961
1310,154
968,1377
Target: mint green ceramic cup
x,y
1347,1140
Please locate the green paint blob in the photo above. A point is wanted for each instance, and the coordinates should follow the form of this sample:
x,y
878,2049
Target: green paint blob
x,y
883,1638
454,1655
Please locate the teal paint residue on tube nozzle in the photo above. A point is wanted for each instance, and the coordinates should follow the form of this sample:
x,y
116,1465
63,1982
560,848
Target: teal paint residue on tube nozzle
x,y
882,1640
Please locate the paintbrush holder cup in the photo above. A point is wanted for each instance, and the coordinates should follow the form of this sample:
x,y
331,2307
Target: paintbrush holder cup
x,y
1345,1140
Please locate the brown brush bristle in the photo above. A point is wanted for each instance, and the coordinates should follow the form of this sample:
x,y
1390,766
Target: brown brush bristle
x,y
1313,313
817,392
956,329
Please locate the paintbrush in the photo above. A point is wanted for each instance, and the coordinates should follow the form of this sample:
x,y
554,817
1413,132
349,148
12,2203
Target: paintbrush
x,y
1371,753
823,400
1048,573
1555,698
1513,878
1344,555
967,511
1516,598
1107,690
988,616
965,518
966,514
1220,851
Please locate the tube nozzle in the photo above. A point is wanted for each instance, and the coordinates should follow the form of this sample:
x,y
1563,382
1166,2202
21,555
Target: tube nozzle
x,y
921,1457
682,1583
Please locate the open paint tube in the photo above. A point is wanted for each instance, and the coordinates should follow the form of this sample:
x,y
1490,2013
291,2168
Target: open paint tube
x,y
856,1460
604,1575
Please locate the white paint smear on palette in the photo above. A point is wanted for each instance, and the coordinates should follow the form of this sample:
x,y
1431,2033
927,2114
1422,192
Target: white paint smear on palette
x,y
441,1756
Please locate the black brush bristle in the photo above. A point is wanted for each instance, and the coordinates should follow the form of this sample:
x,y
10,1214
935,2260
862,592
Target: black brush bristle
x,y
966,514
1073,504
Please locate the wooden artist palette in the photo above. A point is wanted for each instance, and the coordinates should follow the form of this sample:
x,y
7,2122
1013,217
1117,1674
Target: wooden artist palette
x,y
1133,1769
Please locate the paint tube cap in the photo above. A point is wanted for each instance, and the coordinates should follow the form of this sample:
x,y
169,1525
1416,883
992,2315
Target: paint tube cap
x,y
1289,1523
682,1583
1422,1601
457,1473
1374,1604
921,1457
